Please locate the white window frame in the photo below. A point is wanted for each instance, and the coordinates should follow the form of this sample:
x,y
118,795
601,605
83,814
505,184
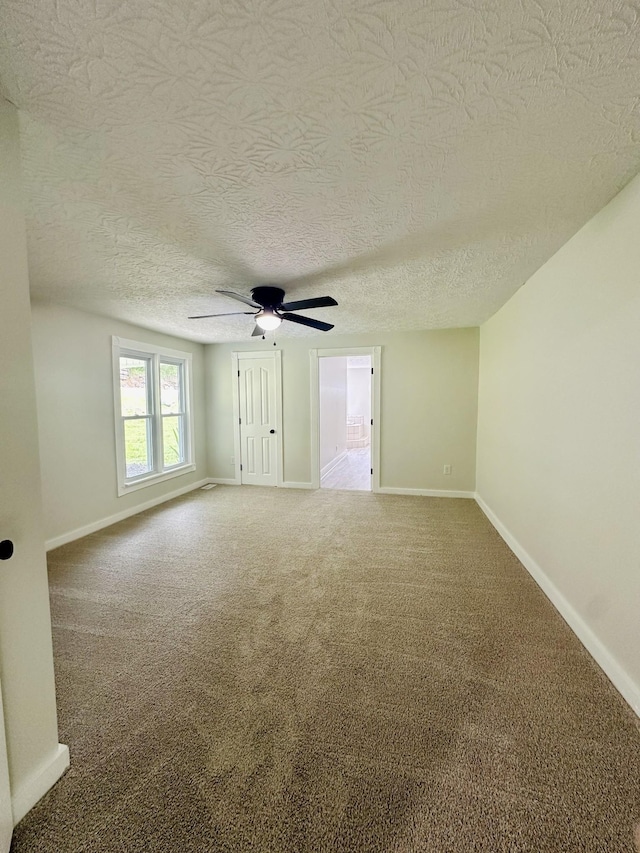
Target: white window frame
x,y
122,347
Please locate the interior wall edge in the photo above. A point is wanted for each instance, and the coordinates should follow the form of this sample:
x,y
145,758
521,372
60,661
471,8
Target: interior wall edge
x,y
37,785
616,674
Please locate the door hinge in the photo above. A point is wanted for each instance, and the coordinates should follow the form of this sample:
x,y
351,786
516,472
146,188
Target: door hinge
x,y
371,421
372,371
238,374
372,472
241,466
239,420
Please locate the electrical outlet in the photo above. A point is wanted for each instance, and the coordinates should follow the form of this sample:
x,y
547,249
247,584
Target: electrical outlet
x,y
233,460
447,469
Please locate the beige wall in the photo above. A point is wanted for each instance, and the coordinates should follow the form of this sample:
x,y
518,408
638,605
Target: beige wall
x,y
74,386
26,662
428,402
559,425
332,373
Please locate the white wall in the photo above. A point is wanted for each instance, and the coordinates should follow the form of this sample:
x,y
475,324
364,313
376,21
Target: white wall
x,y
559,428
428,402
333,409
359,395
26,660
74,387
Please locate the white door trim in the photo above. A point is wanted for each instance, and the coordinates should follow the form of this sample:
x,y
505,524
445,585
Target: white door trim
x,y
314,355
6,811
276,356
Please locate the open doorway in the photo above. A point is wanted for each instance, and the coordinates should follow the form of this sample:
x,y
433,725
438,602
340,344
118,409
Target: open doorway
x,y
344,399
364,416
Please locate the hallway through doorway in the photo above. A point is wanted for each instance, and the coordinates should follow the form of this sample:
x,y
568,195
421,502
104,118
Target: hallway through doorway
x,y
345,422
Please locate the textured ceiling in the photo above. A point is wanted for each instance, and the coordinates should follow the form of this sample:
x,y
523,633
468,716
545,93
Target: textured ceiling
x,y
417,161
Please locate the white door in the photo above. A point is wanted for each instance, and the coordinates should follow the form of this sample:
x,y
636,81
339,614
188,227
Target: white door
x,y
259,421
6,816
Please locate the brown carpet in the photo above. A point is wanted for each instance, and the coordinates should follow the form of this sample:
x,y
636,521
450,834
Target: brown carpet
x,y
276,670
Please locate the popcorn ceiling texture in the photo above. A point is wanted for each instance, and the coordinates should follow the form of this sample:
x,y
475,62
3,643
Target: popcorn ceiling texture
x,y
417,161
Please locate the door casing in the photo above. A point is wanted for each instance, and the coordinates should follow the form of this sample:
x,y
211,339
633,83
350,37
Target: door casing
x,y
236,357
6,811
316,354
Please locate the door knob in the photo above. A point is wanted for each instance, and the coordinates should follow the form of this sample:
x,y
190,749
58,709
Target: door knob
x,y
272,431
6,549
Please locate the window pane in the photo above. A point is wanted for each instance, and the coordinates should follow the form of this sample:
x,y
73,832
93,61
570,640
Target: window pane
x,y
171,388
172,440
137,447
134,384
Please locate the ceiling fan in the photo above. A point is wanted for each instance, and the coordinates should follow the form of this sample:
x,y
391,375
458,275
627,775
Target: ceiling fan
x,y
271,310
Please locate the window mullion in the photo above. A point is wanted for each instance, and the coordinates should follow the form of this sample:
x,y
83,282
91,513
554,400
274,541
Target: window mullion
x,y
186,438
157,419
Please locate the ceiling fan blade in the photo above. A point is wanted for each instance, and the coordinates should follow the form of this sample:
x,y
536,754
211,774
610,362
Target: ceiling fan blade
x,y
246,299
232,314
318,302
257,331
307,321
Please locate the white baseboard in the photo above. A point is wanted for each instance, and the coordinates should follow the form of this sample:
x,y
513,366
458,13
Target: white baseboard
x,y
79,532
333,464
426,493
39,783
620,679
289,484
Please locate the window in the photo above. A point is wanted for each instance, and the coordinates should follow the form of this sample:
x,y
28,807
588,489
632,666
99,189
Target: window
x,y
153,417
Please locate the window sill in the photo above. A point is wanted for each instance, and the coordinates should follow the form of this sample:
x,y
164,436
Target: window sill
x,y
152,479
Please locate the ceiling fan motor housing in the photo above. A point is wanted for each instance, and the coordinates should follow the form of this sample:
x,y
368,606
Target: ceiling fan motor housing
x,y
268,296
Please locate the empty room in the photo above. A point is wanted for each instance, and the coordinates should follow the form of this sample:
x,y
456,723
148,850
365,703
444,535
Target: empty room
x,y
320,432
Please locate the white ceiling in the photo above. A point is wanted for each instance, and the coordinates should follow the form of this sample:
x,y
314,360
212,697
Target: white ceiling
x,y
415,160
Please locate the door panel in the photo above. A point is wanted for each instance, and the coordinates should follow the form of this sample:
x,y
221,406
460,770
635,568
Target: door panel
x,y
266,455
250,464
265,395
257,397
248,419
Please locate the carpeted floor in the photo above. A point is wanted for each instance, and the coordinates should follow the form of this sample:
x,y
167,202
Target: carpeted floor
x,y
283,671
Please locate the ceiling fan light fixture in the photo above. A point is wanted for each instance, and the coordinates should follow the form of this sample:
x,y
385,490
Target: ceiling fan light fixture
x,y
268,320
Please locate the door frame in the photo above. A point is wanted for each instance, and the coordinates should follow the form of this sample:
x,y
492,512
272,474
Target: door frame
x,y
236,357
315,355
6,806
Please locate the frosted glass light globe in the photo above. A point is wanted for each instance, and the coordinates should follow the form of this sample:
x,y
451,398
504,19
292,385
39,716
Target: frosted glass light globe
x,y
267,320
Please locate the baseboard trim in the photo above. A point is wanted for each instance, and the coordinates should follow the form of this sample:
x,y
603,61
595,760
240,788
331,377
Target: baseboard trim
x,y
39,783
616,674
333,464
79,532
287,484
426,493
